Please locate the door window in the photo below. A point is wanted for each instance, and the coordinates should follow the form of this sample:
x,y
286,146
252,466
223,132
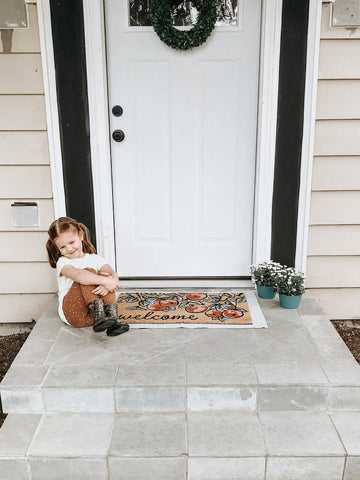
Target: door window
x,y
184,13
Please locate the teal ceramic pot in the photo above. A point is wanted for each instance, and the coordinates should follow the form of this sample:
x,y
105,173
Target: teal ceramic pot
x,y
265,292
288,301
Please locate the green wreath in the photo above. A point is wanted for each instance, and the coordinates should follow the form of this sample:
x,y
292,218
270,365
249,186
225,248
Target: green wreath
x,y
183,39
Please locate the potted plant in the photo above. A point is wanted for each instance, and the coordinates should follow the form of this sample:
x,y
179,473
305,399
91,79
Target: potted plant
x,y
265,275
290,286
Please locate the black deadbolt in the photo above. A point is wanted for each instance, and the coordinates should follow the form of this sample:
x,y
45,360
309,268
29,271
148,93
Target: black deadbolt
x,y
118,135
117,111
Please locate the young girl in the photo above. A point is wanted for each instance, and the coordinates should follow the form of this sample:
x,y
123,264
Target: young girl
x,y
86,282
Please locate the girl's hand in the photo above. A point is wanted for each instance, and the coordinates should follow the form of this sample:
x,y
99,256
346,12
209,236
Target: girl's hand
x,y
101,290
110,283
116,278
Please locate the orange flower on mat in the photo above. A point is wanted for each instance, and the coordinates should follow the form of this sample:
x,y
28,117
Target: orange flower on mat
x,y
196,307
195,296
168,303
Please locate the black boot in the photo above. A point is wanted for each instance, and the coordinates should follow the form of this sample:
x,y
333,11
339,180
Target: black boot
x,y
111,311
100,321
119,327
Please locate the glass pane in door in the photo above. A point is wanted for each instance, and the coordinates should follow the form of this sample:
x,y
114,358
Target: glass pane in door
x,y
183,13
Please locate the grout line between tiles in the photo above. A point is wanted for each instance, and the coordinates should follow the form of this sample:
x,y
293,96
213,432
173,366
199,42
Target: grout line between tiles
x,y
337,432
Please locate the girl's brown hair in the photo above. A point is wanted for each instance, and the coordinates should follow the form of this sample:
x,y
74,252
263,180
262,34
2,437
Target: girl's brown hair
x,y
61,225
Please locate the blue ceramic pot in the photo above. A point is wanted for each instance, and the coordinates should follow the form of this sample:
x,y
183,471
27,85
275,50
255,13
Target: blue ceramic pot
x,y
288,301
265,292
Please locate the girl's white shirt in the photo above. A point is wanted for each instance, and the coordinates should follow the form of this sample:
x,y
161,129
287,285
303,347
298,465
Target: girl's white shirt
x,y
89,260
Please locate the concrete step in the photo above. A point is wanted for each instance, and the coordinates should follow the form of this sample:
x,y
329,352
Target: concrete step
x,y
184,404
144,388
176,446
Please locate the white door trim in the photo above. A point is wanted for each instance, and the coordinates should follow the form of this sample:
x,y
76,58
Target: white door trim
x,y
94,25
51,106
267,119
311,80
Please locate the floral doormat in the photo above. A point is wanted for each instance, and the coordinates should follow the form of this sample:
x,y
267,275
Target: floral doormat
x,y
191,309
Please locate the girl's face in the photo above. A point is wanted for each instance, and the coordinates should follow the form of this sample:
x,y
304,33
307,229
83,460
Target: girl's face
x,y
70,244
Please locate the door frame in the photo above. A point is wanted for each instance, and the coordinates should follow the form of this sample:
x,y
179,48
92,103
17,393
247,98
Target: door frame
x,y
94,24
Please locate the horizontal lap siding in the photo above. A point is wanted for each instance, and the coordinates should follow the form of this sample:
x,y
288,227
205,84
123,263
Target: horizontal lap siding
x,y
12,247
30,277
338,99
334,240
335,208
336,173
337,137
22,112
24,148
27,283
21,73
28,307
333,266
334,271
341,303
338,59
25,181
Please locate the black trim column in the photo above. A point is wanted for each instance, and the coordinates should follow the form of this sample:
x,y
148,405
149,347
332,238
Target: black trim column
x,y
289,134
71,83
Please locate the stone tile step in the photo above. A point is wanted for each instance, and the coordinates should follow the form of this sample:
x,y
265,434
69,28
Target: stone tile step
x,y
180,387
197,446
147,399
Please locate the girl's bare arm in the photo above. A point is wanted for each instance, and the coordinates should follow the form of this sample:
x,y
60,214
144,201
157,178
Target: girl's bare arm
x,y
107,269
84,277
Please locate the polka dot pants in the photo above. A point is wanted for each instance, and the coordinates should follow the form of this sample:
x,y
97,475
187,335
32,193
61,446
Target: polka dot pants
x,y
75,303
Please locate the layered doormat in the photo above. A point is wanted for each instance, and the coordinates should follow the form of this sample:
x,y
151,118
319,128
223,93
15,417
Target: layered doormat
x,y
191,309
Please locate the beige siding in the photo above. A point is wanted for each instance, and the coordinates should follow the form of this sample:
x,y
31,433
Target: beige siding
x,y
27,277
27,247
337,137
334,240
336,173
24,148
333,271
333,267
337,59
25,181
27,283
339,303
335,208
22,112
338,99
26,307
21,73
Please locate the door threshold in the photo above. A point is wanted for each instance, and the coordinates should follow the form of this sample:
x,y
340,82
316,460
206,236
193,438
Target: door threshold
x,y
186,283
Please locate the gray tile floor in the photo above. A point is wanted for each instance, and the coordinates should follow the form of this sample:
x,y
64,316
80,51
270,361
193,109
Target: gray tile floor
x,y
184,404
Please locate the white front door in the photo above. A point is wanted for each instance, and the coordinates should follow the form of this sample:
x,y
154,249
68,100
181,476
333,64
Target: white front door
x,y
183,177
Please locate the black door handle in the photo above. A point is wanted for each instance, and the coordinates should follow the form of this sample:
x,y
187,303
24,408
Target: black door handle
x,y
117,111
118,135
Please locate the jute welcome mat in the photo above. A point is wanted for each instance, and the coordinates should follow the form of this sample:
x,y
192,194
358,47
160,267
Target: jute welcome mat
x,y
191,309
